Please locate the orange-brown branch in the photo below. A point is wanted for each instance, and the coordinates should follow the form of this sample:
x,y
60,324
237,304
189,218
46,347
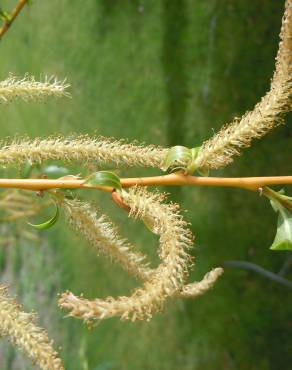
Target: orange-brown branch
x,y
175,179
13,15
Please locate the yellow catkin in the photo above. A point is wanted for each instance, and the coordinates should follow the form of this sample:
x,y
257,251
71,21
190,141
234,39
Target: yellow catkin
x,y
196,289
268,113
166,280
28,89
102,234
20,328
82,149
16,204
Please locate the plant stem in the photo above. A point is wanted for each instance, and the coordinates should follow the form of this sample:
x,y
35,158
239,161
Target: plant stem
x,y
13,15
175,179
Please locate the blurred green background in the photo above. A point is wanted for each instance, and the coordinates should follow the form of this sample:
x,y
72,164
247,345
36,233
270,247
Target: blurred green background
x,y
164,72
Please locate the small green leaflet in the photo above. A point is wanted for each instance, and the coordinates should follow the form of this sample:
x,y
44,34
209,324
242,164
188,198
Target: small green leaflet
x,y
4,15
55,172
182,158
177,158
283,239
26,170
103,178
282,204
48,224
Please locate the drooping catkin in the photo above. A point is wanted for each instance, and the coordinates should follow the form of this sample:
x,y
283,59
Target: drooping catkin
x,y
82,149
102,234
269,112
20,328
16,204
28,89
198,288
168,278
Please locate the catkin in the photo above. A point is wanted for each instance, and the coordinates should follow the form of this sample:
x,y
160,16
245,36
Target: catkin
x,y
168,278
200,287
28,89
20,328
268,113
82,149
103,235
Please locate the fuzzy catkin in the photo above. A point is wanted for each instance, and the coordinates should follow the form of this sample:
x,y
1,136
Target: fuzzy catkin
x,y
81,149
28,89
198,288
168,278
30,339
102,234
269,112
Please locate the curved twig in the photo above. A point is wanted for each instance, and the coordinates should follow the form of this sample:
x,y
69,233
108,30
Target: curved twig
x,y
253,267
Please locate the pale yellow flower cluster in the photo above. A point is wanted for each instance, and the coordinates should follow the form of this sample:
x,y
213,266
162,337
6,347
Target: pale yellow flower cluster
x,y
80,149
22,331
100,232
268,113
103,236
167,280
198,288
28,89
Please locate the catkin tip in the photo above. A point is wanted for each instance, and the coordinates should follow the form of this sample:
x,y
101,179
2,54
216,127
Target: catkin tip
x,y
28,89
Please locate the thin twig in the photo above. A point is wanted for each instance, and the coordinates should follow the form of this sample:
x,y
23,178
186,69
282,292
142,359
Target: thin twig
x,y
174,179
12,17
286,265
252,266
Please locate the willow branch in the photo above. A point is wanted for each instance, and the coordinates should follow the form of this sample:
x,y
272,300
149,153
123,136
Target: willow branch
x,y
12,17
175,179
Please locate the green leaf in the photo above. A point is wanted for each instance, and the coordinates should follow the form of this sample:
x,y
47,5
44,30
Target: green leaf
x,y
183,158
177,158
5,16
48,224
283,239
55,172
104,178
26,170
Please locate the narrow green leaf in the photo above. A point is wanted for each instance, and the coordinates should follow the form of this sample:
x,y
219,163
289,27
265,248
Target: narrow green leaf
x,y
104,178
203,171
48,224
283,239
177,158
26,170
278,198
55,172
5,16
183,158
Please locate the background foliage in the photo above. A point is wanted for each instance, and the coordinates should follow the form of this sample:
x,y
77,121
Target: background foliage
x,y
164,72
